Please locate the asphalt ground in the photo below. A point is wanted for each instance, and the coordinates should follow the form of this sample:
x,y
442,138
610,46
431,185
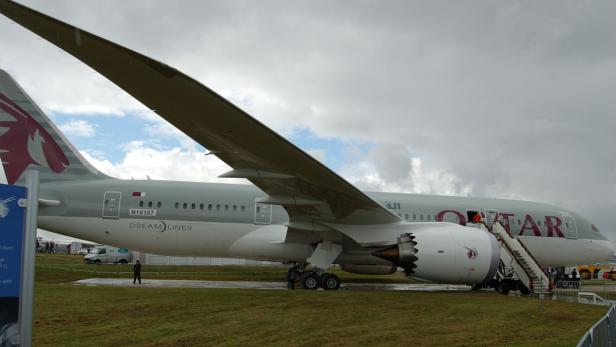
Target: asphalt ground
x,y
158,283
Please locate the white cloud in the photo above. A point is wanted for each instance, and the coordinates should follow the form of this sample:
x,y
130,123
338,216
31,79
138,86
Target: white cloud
x,y
80,128
141,161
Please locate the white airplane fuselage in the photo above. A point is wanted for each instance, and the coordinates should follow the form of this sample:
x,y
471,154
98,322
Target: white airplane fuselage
x,y
223,220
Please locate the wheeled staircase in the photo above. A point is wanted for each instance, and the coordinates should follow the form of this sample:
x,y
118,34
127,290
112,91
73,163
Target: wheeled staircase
x,y
515,256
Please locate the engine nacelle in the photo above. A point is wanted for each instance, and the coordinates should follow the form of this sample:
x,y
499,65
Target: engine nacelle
x,y
445,253
369,269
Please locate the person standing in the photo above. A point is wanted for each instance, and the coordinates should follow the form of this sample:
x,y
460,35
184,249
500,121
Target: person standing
x,y
137,272
292,277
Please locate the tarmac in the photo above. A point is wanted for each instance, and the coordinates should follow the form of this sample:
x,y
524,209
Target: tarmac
x,y
125,282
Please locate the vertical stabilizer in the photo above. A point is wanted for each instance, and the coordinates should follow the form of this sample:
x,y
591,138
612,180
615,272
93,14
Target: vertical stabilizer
x,y
28,139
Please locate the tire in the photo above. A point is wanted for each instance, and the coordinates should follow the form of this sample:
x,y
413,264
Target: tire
x,y
330,281
97,261
309,280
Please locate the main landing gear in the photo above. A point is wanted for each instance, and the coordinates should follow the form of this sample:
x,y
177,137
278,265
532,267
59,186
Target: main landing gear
x,y
321,259
312,280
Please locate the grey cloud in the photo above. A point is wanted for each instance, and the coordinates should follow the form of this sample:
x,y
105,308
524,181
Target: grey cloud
x,y
515,99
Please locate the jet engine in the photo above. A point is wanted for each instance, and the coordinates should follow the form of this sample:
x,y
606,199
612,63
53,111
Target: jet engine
x,y
445,253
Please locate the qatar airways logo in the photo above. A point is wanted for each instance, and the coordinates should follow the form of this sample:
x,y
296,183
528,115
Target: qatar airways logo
x,y
4,207
24,142
471,253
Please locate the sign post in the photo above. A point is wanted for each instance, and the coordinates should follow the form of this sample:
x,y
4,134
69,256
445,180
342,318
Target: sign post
x,y
26,304
17,261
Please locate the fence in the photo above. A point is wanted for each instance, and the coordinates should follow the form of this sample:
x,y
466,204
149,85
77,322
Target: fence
x,y
603,333
566,290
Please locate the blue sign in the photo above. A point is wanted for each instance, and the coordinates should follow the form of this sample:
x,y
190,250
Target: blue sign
x,y
12,225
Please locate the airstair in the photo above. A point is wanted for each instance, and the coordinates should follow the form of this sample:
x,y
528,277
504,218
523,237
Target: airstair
x,y
516,261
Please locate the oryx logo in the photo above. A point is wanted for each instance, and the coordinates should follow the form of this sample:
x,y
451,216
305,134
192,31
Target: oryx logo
x,y
4,208
471,253
23,141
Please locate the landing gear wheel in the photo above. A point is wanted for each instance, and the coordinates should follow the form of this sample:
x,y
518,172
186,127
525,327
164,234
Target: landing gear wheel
x,y
309,280
330,281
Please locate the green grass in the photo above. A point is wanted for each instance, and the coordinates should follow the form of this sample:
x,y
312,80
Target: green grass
x,y
67,314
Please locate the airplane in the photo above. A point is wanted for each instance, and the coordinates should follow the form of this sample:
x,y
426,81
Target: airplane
x,y
297,211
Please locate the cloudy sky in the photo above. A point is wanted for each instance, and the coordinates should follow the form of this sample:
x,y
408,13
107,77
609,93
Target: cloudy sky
x,y
477,98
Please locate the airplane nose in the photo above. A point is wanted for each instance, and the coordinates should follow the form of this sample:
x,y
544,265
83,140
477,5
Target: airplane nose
x,y
612,249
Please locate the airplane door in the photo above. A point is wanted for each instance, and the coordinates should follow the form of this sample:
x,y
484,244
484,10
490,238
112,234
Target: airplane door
x,y
263,213
570,227
111,205
491,216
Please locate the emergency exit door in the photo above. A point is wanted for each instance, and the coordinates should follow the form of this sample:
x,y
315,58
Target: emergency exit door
x,y
263,213
570,227
111,205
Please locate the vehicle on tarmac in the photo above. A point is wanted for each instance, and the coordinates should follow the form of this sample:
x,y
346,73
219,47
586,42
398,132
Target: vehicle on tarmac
x,y
297,210
108,254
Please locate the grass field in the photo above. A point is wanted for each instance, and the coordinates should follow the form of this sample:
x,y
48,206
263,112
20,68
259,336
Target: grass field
x,y
67,314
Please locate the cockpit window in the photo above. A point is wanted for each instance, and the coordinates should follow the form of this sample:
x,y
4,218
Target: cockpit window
x,y
594,227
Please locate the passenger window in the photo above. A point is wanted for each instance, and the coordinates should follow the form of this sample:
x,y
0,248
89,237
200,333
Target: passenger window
x,y
193,205
406,216
429,217
201,206
421,216
159,204
141,203
414,216
226,207
177,205
519,222
184,205
234,208
243,208
209,207
217,207
149,204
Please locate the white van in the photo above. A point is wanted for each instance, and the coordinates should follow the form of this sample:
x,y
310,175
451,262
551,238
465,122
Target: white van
x,y
108,254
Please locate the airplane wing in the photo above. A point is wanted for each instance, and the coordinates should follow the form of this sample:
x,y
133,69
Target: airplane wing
x,y
308,190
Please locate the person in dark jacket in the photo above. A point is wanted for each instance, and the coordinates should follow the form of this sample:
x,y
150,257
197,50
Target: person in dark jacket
x,y
292,277
137,272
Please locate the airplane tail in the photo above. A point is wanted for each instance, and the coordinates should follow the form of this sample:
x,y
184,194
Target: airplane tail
x,y
28,140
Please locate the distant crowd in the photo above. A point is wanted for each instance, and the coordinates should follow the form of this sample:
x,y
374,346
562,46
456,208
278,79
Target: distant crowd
x,y
45,247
